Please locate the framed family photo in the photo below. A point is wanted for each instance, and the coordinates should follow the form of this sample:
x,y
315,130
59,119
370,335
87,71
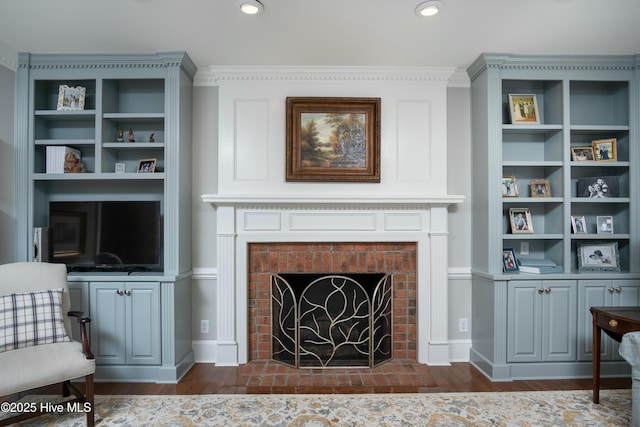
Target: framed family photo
x,y
598,256
578,225
146,166
604,150
604,224
520,219
509,260
509,186
333,139
599,187
523,109
582,154
540,188
71,98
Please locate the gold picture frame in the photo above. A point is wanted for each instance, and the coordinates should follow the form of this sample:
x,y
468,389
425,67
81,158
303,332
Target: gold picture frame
x,y
540,188
523,109
604,150
333,139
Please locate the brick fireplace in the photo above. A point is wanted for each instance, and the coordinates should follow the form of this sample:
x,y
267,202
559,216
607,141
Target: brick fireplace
x,y
395,258
261,235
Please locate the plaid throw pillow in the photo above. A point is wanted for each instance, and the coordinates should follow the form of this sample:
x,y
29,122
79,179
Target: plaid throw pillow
x,y
31,319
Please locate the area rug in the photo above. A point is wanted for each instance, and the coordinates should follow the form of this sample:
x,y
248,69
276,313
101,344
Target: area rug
x,y
555,408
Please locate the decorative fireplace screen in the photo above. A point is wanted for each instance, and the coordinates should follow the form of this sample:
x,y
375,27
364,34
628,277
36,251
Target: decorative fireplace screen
x,y
331,320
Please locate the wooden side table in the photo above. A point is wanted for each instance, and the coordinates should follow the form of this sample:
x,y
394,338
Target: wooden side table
x,y
615,322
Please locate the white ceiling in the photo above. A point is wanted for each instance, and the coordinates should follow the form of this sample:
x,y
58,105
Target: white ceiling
x,y
323,32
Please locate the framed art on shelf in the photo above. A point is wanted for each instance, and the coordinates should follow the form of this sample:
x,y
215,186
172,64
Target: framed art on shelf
x,y
605,150
540,188
509,260
332,139
582,154
604,224
509,186
71,98
599,187
523,109
146,166
578,225
598,256
520,219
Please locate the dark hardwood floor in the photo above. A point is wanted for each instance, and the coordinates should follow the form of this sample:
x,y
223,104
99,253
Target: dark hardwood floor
x,y
397,376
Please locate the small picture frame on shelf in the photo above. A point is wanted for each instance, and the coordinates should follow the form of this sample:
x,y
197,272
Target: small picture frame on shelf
x,y
598,187
604,150
509,186
509,260
540,188
520,219
578,225
604,224
523,109
71,98
119,168
582,154
598,256
146,166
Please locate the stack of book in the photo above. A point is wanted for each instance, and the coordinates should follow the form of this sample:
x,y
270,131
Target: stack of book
x,y
56,156
538,266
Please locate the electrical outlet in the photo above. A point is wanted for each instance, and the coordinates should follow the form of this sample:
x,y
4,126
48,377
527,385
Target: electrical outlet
x,y
204,326
524,248
463,325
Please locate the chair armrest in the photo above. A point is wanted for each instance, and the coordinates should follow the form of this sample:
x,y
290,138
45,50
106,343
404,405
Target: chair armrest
x,y
84,337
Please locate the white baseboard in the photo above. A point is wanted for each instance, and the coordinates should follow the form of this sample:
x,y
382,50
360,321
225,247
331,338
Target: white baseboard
x,y
204,351
459,350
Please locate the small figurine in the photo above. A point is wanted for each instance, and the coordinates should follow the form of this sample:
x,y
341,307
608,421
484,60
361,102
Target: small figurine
x,y
152,137
131,137
120,137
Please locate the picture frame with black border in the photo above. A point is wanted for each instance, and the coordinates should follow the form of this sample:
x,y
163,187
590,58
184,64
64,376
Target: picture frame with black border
x,y
598,256
146,166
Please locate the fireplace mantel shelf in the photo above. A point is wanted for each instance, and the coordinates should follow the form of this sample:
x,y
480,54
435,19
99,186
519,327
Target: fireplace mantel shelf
x,y
336,200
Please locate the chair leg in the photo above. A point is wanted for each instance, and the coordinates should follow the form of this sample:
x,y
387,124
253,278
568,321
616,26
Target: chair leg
x,y
90,398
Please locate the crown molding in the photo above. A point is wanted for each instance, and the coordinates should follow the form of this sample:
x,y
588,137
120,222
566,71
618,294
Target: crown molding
x,y
8,57
215,75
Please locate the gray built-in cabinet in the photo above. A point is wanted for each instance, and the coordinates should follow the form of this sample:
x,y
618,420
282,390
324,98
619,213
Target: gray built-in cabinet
x,y
527,325
141,328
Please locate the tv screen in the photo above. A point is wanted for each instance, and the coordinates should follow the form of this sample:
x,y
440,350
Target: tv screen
x,y
107,235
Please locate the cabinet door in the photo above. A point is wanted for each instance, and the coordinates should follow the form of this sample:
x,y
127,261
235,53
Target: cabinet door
x,y
524,331
108,327
143,323
559,320
593,293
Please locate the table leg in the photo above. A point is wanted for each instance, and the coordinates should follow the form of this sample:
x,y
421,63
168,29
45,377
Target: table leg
x,y
597,335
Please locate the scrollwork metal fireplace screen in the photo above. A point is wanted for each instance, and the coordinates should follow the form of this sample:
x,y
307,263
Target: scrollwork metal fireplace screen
x,y
331,320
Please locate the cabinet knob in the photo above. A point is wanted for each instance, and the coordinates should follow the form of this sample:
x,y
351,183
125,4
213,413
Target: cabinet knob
x,y
540,290
618,289
613,323
127,293
120,292
547,290
611,290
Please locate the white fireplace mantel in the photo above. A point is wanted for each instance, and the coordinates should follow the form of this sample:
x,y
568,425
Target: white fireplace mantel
x,y
244,219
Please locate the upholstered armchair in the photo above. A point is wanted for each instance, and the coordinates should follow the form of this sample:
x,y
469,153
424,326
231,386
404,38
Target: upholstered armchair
x,y
35,345
630,350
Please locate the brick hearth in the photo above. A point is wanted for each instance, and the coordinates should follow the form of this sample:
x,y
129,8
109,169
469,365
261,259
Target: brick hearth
x,y
397,259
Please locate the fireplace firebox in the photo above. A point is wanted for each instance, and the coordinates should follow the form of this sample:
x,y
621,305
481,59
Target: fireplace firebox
x,y
331,320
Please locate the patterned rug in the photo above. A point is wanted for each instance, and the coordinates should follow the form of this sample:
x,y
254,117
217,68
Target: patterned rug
x,y
555,408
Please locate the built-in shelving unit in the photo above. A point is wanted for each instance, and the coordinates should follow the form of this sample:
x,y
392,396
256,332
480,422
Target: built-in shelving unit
x,y
580,99
151,95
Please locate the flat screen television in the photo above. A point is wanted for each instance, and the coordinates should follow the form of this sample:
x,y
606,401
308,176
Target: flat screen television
x,y
107,235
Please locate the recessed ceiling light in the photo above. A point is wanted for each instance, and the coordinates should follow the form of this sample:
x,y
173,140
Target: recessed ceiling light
x,y
429,8
250,7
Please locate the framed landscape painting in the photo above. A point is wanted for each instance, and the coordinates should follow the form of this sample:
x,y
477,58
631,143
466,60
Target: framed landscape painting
x,y
333,139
